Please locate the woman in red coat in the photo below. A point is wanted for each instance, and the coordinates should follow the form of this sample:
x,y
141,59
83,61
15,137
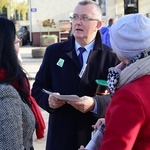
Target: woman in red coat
x,y
128,114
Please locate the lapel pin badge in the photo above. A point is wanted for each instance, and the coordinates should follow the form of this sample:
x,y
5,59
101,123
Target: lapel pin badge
x,y
60,62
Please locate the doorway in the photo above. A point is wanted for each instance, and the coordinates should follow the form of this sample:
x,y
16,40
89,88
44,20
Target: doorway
x,y
130,6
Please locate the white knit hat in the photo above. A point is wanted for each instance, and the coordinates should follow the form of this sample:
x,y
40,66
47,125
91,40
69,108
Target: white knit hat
x,y
130,35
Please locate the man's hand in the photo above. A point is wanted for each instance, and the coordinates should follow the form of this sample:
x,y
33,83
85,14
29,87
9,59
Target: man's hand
x,y
98,123
86,104
54,102
81,148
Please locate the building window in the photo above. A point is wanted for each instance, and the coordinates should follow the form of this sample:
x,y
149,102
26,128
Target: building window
x,y
130,6
102,3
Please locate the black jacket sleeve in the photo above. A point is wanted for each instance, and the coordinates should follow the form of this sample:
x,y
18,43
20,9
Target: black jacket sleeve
x,y
102,103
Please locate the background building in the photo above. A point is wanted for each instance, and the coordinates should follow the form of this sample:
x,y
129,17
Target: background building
x,y
60,11
37,11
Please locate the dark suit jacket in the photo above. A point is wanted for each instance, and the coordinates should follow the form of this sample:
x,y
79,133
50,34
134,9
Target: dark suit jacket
x,y
68,128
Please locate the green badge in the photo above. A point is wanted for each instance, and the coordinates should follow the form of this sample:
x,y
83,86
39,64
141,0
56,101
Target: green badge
x,y
60,62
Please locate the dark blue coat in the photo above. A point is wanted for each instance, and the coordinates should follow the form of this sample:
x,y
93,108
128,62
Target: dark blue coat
x,y
68,128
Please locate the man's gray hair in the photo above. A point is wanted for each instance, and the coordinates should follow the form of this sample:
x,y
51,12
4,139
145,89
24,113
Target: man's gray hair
x,y
86,2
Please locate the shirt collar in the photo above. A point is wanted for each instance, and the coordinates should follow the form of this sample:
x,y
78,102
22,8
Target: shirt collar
x,y
88,47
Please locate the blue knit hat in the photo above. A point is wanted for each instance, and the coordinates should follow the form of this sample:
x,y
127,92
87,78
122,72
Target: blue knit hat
x,y
130,35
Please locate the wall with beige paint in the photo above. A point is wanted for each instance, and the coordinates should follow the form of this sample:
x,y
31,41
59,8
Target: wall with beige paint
x,y
53,9
61,9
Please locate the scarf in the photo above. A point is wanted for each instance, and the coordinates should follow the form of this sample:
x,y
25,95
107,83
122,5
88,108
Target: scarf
x,y
40,124
137,68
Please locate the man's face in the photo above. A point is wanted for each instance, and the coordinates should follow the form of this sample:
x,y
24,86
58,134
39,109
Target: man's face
x,y
84,29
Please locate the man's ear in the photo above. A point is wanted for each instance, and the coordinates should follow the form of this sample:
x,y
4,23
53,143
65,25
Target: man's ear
x,y
99,24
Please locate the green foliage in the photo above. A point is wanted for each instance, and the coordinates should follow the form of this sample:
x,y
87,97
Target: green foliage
x,y
49,23
49,36
4,9
4,3
21,6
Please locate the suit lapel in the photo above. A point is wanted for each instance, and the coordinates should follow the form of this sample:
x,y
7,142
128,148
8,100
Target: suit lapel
x,y
73,56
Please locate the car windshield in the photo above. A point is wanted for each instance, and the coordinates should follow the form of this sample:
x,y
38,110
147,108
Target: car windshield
x,y
23,34
21,29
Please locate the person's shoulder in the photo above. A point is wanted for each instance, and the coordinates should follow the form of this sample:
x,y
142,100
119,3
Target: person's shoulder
x,y
7,90
104,29
59,46
107,48
10,101
110,52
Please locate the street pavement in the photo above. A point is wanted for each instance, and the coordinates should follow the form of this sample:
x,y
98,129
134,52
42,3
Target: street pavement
x,y
31,66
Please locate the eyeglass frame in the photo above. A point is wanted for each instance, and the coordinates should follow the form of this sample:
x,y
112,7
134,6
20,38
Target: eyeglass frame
x,y
83,18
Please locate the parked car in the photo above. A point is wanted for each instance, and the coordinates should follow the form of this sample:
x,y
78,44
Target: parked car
x,y
23,34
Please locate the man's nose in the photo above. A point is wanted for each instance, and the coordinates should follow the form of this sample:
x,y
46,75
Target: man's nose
x,y
79,20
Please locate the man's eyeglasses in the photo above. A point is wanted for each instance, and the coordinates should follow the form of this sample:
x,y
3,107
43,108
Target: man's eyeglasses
x,y
83,18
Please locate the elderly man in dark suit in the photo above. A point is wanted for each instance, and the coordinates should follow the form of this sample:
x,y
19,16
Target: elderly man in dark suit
x,y
61,72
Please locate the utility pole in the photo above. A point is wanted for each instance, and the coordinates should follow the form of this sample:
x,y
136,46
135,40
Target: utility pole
x,y
30,20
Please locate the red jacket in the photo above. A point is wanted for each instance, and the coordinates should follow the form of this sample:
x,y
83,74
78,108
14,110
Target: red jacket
x,y
128,118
